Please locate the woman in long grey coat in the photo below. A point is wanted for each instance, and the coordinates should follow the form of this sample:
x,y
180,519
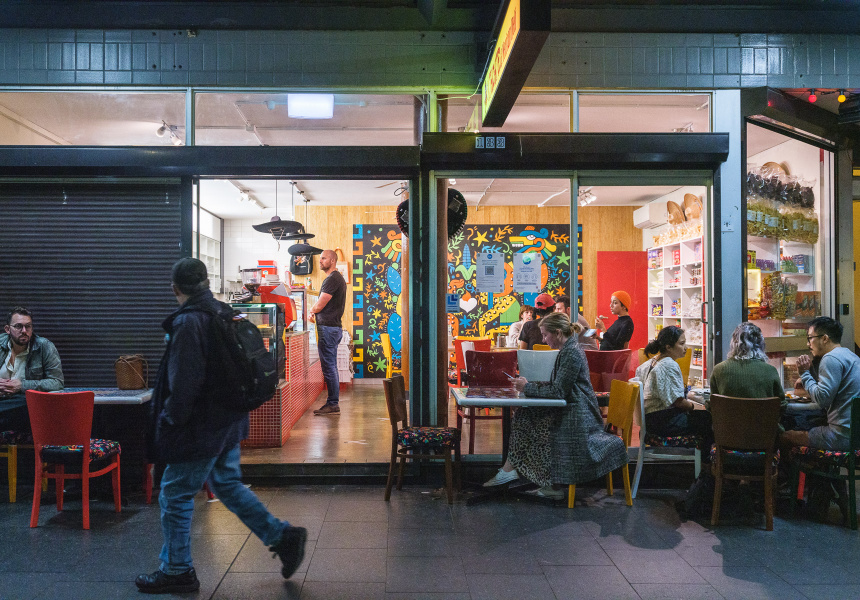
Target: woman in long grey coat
x,y
561,445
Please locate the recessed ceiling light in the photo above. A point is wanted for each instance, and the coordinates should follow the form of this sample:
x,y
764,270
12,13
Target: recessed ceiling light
x,y
310,106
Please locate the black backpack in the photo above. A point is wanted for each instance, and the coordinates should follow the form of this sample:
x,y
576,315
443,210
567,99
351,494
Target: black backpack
x,y
245,371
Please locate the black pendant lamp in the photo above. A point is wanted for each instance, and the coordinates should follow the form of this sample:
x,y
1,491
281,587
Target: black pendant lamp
x,y
279,229
303,249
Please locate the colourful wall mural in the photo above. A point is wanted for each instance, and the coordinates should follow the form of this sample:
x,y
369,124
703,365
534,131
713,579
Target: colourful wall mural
x,y
377,278
376,293
483,314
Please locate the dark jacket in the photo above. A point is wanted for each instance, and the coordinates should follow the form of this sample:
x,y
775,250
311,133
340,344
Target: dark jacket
x,y
186,423
43,371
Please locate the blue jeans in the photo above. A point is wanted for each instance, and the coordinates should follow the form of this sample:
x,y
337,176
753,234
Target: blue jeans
x,y
182,481
328,339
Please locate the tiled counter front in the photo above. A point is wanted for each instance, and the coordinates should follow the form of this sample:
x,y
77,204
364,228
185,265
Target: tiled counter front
x,y
272,422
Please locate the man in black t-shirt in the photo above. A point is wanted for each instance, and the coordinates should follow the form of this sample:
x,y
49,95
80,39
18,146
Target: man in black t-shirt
x,y
327,313
530,333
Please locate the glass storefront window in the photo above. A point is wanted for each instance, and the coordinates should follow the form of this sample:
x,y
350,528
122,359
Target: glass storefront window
x,y
532,113
789,244
644,113
92,118
255,119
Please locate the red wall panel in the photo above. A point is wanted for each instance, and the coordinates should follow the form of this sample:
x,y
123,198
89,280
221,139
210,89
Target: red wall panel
x,y
626,271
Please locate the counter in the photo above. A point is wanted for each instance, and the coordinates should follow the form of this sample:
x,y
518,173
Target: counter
x,y
303,381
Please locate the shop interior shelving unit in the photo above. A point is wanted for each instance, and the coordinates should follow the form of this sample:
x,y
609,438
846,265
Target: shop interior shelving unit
x,y
675,293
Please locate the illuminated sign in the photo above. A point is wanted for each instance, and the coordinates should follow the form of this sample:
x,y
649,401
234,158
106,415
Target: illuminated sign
x,y
520,35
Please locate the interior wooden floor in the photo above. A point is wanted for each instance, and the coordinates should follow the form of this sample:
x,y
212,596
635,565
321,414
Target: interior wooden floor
x,y
361,433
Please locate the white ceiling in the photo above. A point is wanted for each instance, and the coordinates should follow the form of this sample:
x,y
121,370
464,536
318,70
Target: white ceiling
x,y
121,118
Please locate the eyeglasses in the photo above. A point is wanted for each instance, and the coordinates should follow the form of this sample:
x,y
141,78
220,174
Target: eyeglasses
x,y
809,338
21,326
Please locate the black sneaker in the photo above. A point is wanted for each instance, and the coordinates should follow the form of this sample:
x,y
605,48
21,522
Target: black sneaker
x,y
291,549
328,409
160,582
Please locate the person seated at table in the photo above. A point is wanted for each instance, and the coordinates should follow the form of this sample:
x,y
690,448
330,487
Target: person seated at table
x,y
530,332
566,444
746,372
667,411
527,313
27,362
617,337
838,382
562,305
799,388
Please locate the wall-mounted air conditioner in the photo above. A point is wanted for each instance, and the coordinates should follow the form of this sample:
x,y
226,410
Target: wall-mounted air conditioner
x,y
651,215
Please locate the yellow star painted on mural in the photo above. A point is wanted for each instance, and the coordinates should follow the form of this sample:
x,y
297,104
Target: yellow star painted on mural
x,y
377,313
376,241
481,238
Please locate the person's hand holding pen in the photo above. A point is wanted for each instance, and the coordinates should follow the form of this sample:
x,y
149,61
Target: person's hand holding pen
x,y
598,323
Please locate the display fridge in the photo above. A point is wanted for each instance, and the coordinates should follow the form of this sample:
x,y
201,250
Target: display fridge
x,y
269,319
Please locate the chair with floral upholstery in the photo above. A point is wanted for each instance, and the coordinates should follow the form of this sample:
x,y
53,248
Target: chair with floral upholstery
x,y
646,440
417,443
745,431
62,423
829,464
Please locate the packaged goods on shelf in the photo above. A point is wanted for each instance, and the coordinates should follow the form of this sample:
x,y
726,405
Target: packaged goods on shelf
x,y
656,310
808,304
751,258
655,258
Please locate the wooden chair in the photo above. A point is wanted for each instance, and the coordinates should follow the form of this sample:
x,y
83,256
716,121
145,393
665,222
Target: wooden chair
x,y
745,431
646,439
417,443
485,369
684,362
606,365
389,356
62,423
541,347
10,443
480,344
622,402
829,464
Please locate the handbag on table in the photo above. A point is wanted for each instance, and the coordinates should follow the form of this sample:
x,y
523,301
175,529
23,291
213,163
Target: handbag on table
x,y
132,372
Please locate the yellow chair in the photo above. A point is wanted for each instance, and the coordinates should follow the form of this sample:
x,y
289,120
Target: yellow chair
x,y
10,452
684,363
642,356
622,400
386,351
541,347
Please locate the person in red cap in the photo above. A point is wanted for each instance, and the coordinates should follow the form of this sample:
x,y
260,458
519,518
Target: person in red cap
x,y
619,333
530,333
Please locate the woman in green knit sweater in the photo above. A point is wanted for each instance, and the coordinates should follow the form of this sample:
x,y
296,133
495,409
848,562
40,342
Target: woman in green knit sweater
x,y
746,373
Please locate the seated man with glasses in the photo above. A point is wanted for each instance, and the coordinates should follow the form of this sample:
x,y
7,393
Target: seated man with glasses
x,y
27,362
838,382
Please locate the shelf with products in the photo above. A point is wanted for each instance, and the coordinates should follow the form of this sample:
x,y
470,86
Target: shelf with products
x,y
675,293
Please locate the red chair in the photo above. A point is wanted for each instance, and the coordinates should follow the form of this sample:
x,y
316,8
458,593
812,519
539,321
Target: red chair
x,y
62,423
485,369
481,344
606,365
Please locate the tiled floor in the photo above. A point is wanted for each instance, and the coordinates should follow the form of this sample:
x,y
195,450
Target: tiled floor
x,y
418,547
360,433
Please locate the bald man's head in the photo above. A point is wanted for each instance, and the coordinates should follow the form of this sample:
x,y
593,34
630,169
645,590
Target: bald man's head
x,y
328,261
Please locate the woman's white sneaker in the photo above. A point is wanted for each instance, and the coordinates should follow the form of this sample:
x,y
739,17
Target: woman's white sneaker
x,y
502,477
547,492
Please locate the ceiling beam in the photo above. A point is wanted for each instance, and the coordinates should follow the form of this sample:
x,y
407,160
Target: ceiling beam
x,y
632,16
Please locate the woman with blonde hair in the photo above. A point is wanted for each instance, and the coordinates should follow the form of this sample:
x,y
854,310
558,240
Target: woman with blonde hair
x,y
560,445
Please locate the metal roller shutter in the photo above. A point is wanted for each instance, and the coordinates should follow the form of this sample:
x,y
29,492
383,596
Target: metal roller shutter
x,y
92,261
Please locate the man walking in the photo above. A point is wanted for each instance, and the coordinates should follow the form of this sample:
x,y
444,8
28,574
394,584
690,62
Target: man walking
x,y
27,362
198,438
327,313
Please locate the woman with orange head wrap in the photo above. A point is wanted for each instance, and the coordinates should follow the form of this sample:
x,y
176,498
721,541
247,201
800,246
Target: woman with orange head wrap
x,y
619,333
